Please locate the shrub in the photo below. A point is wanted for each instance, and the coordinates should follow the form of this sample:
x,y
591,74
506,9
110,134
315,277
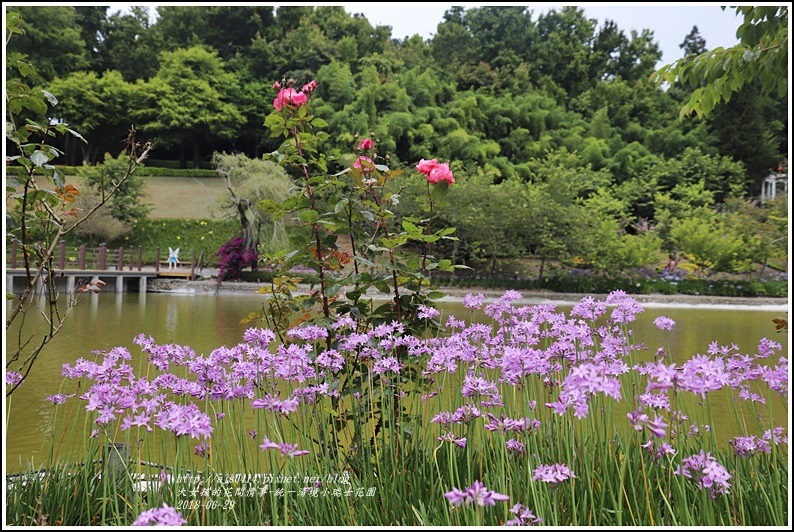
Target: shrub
x,y
234,258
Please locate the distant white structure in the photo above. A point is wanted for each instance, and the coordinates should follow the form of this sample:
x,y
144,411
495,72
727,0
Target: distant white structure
x,y
775,183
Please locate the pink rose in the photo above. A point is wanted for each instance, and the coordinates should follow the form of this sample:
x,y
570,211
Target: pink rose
x,y
365,145
358,164
289,97
309,87
441,173
426,166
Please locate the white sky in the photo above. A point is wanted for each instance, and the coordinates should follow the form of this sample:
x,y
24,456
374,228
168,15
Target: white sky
x,y
669,21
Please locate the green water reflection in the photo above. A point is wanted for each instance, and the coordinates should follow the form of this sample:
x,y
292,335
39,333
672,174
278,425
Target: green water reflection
x,y
206,322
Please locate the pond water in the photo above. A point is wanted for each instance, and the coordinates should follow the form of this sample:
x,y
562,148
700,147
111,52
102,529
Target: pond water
x,y
205,322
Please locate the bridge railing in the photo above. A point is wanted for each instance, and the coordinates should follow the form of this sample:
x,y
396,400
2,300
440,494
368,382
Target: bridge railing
x,y
94,258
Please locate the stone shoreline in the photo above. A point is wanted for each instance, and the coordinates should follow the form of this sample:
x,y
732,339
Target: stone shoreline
x,y
530,297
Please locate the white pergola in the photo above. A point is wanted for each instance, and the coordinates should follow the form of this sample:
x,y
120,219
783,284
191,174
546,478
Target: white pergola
x,y
773,185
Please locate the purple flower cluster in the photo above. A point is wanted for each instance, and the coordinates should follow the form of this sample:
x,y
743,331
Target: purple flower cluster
x,y
657,427
184,420
477,494
664,323
460,442
165,516
709,473
523,516
747,446
553,474
287,449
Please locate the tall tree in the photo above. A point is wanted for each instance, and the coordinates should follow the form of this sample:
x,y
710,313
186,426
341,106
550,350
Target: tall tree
x,y
189,101
131,45
52,42
694,44
92,21
96,105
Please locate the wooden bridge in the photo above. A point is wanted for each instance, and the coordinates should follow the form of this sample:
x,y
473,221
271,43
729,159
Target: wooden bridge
x,y
122,267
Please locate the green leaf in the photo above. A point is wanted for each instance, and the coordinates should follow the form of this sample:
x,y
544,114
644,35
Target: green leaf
x,y
39,158
411,228
309,216
318,122
439,190
364,261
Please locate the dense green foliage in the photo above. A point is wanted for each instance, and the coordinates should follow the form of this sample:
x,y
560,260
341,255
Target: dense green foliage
x,y
562,145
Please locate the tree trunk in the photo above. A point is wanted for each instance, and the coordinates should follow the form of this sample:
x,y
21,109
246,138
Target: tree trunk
x,y
196,153
540,273
183,154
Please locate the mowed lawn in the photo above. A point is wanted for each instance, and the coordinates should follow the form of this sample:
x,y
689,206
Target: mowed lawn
x,y
172,197
185,197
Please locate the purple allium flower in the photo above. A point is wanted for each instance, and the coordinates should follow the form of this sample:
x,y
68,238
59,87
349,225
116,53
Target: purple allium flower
x,y
13,377
184,419
655,400
484,497
253,434
515,447
709,473
202,450
443,418
502,424
779,437
465,414
767,348
427,313
272,403
664,323
291,450
626,307
460,442
657,427
141,419
260,337
473,302
59,398
525,424
427,396
511,295
165,516
453,323
553,474
345,321
658,449
476,493
267,444
589,309
456,496
524,516
308,333
220,415
747,446
385,364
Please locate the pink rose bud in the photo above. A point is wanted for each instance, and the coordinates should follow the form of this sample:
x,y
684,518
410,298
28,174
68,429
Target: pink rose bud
x,y
365,145
309,87
276,85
